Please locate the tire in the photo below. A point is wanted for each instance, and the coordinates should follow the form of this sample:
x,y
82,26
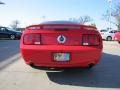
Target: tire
x,y
109,38
119,42
12,37
90,66
32,65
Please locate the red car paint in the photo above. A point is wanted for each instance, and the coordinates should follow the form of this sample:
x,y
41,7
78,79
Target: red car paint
x,y
117,37
61,45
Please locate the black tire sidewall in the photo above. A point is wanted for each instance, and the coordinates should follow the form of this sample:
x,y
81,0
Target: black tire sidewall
x,y
119,42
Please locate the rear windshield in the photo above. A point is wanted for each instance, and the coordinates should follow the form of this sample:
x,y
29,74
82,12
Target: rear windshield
x,y
60,22
103,30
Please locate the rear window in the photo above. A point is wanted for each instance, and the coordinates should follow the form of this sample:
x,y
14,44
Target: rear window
x,y
103,30
60,22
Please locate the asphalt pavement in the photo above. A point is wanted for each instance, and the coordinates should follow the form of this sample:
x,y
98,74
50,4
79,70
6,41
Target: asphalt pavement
x,y
8,48
16,75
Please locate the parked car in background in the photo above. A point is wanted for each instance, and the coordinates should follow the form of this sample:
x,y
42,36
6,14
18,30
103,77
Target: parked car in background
x,y
61,44
117,37
6,32
108,34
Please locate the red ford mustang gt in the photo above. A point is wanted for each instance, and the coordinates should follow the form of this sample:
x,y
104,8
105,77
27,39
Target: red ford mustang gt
x,y
61,44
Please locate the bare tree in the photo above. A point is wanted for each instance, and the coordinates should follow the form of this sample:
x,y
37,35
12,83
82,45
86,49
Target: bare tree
x,y
115,14
15,24
82,19
2,2
93,24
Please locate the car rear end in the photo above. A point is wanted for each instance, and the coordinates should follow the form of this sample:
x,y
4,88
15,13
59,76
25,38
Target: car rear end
x,y
117,36
61,45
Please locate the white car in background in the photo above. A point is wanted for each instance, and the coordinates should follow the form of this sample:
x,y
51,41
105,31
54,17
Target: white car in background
x,y
108,34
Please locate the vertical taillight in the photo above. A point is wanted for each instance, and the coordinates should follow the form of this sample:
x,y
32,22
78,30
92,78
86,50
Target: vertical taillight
x,y
90,40
31,39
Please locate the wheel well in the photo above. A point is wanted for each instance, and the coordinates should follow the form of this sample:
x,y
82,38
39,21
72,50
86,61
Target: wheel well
x,y
108,37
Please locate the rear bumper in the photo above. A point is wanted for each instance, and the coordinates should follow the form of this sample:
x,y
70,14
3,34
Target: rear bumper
x,y
81,56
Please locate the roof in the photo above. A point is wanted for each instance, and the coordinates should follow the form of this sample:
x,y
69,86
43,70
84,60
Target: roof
x,y
60,22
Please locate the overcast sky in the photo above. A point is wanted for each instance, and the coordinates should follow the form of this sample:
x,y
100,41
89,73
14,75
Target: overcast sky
x,y
33,11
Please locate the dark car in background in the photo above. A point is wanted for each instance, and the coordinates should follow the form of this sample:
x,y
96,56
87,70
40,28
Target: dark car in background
x,y
9,33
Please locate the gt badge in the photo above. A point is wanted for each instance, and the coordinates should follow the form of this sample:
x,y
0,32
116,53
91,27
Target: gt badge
x,y
61,39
